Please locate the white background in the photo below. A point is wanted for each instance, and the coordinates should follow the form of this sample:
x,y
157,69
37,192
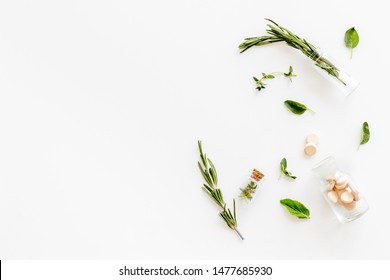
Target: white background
x,y
102,103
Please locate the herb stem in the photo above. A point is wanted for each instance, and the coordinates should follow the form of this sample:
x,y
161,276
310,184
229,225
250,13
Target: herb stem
x,y
239,234
277,33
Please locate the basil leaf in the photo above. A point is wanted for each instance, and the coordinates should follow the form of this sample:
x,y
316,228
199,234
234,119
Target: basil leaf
x,y
351,38
283,165
296,208
296,107
283,169
365,134
289,174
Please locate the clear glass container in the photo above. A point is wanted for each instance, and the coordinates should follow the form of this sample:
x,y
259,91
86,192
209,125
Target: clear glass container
x,y
339,190
326,67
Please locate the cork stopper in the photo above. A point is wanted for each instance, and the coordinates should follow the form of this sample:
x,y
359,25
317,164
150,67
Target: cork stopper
x,y
257,175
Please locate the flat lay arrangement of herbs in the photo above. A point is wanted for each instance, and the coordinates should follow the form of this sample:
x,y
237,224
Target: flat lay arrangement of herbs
x,y
260,82
283,169
277,33
209,174
351,39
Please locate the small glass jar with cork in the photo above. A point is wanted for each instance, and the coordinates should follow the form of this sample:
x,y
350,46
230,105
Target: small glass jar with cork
x,y
339,190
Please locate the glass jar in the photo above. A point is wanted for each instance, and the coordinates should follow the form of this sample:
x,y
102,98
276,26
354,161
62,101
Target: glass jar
x,y
332,72
339,190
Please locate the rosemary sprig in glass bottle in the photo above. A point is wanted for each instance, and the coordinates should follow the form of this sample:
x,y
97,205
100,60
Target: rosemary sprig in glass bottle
x,y
278,33
209,174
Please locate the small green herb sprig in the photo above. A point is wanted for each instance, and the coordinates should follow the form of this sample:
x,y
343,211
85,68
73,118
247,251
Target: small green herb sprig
x,y
296,107
296,208
283,169
351,39
248,191
365,134
260,82
277,33
209,174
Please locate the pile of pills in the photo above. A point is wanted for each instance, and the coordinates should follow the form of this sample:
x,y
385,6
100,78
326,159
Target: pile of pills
x,y
342,191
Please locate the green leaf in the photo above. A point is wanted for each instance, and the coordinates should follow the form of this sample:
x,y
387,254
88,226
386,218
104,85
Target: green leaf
x,y
351,38
365,134
283,165
296,208
283,169
295,107
269,76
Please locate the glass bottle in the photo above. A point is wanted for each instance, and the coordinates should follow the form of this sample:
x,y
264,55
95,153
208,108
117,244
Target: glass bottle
x,y
339,190
331,71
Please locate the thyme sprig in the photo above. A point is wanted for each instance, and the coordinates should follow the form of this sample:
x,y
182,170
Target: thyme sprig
x,y
209,174
277,33
260,82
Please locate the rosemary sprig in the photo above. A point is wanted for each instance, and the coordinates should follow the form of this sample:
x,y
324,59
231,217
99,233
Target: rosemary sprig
x,y
209,173
279,33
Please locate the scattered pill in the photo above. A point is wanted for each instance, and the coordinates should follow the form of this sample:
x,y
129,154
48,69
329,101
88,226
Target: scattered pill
x,y
312,138
333,197
310,149
346,197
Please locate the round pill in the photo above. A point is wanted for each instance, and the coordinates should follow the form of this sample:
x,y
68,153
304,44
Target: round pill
x,y
310,149
354,191
331,184
346,197
342,180
338,174
312,138
350,206
340,186
333,196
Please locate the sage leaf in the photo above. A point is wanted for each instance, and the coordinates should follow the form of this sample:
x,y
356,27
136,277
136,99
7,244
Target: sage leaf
x,y
351,39
283,169
365,134
296,208
296,107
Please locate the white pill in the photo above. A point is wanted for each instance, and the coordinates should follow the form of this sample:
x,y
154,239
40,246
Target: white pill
x,y
346,197
340,186
331,184
342,179
333,197
312,138
310,149
354,191
338,174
